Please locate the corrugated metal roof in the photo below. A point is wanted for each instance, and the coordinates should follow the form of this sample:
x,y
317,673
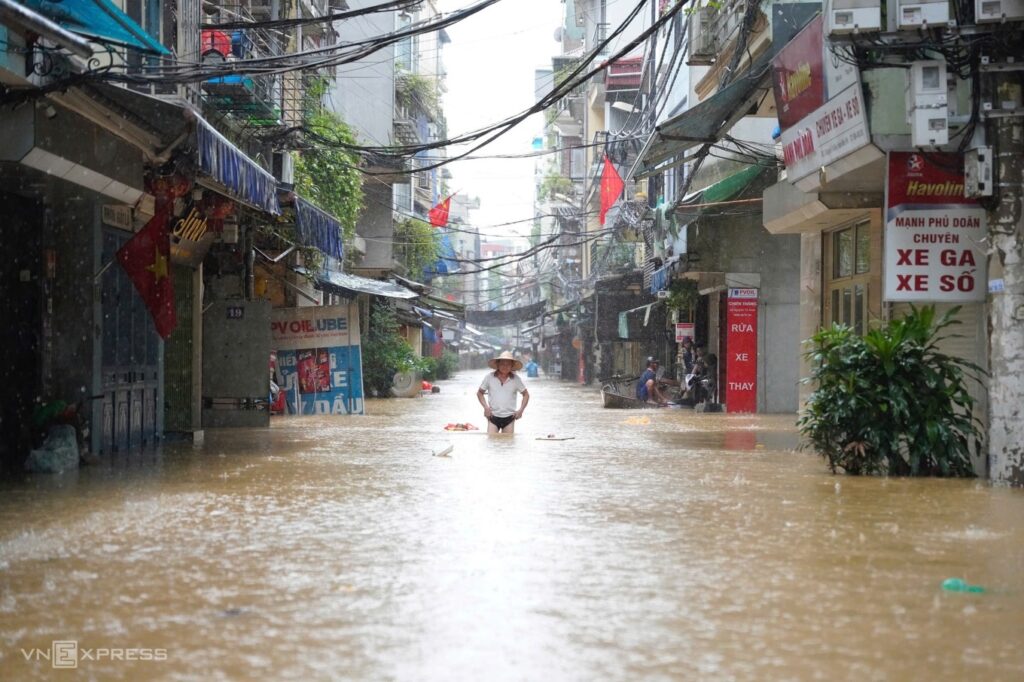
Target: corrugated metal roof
x,y
363,285
704,122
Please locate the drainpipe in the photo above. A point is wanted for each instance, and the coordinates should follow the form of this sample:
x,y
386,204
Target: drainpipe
x,y
250,266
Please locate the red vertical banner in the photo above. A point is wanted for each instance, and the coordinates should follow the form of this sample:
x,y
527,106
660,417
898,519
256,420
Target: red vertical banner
x,y
741,345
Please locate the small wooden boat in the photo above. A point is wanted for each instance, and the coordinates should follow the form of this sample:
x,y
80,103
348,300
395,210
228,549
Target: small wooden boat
x,y
620,394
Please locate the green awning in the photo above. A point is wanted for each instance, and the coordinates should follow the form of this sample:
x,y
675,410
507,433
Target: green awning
x,y
706,121
728,187
97,19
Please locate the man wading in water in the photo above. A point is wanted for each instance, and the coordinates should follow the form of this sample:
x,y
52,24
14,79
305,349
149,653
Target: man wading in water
x,y
501,387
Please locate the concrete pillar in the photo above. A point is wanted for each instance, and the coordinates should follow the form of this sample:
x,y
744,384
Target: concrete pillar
x,y
810,304
1006,311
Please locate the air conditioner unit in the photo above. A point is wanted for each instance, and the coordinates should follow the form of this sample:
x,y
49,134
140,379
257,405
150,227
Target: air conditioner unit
x,y
661,294
989,11
703,37
854,16
916,14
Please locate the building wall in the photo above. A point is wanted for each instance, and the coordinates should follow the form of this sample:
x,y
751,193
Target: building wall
x,y
73,224
364,94
376,226
735,245
810,302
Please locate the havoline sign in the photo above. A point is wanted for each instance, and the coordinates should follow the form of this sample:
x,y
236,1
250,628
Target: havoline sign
x,y
934,250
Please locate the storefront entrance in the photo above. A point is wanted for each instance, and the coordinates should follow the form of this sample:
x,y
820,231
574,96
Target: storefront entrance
x,y
131,352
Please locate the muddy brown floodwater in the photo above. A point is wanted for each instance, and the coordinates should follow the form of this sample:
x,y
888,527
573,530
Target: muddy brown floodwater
x,y
653,545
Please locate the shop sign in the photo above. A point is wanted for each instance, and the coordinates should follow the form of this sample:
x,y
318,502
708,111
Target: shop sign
x,y
191,237
820,105
798,75
684,330
934,235
118,215
834,130
741,351
319,359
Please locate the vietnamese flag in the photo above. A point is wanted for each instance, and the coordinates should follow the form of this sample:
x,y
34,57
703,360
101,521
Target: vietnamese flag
x,y
611,186
439,214
146,258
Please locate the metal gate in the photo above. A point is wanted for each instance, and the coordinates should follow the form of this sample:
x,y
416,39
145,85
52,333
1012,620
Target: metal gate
x,y
131,359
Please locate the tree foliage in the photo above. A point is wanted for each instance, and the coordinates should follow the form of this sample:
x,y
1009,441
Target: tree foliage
x,y
415,89
328,175
435,369
385,351
553,183
417,245
890,402
682,295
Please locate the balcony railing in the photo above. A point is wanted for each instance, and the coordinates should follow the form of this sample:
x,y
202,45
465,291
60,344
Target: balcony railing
x,y
600,35
256,99
608,257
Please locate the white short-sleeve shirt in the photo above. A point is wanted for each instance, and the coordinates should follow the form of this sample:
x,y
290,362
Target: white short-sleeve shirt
x,y
502,397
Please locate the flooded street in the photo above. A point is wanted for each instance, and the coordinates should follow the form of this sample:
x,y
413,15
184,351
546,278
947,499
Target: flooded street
x,y
652,545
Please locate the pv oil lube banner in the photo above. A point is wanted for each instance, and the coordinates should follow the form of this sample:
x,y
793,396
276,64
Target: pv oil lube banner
x,y
319,362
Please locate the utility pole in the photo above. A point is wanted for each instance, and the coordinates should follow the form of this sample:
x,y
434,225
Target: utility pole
x,y
1006,316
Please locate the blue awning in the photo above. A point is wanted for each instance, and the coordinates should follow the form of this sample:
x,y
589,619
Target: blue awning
x,y
316,227
98,19
448,261
240,176
659,279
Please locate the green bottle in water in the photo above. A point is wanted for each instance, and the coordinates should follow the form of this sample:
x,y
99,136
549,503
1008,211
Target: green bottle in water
x,y
960,585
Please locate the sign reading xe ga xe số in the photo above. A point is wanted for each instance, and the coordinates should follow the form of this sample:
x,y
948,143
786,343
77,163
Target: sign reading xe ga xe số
x,y
933,234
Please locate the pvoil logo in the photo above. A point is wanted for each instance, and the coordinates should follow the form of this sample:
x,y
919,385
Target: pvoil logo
x,y
65,653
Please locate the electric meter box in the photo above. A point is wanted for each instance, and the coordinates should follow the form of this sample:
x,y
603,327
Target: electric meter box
x,y
927,103
913,14
855,16
929,127
978,172
988,11
928,86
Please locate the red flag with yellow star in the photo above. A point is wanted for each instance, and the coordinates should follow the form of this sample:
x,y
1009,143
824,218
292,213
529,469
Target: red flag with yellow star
x,y
146,258
438,215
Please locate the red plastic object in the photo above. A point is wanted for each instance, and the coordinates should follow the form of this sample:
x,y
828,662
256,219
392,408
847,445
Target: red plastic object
x,y
216,41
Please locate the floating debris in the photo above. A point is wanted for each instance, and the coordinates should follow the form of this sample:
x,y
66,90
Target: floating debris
x,y
447,452
960,585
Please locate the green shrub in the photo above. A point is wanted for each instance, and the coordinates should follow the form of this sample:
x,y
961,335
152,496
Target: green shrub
x,y
417,245
430,365
447,365
890,402
437,369
385,351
